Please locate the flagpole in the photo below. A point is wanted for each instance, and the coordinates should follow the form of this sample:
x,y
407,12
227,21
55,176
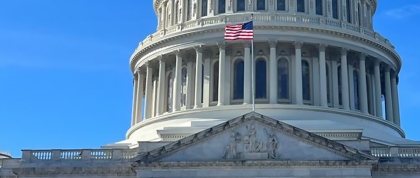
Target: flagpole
x,y
252,69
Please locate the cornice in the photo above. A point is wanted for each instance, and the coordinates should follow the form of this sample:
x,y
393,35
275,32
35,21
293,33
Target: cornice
x,y
169,116
254,165
220,28
53,171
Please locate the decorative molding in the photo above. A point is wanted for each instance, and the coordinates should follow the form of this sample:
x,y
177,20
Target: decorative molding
x,y
254,164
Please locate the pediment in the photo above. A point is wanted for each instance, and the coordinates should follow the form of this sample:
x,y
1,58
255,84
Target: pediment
x,y
253,137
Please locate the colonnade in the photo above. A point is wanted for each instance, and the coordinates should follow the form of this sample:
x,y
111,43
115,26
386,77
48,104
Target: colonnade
x,y
333,82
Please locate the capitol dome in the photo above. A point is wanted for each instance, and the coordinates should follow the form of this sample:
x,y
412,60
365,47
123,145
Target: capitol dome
x,y
319,65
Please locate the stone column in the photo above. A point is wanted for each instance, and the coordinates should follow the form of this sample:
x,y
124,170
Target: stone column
x,y
198,76
378,91
363,99
395,100
163,21
210,7
140,93
388,95
336,95
298,99
344,80
247,73
315,82
206,84
189,97
323,77
149,92
177,82
329,8
273,73
154,93
222,74
351,86
135,92
161,88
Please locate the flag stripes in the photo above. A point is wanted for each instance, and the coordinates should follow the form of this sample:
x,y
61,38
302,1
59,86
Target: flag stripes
x,y
243,31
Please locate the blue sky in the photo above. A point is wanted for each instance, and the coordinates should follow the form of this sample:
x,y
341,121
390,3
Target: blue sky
x,y
65,78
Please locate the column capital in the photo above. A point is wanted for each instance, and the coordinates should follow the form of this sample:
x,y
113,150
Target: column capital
x,y
362,56
222,46
179,53
247,44
322,47
148,64
298,44
344,51
198,49
272,43
229,50
377,61
160,58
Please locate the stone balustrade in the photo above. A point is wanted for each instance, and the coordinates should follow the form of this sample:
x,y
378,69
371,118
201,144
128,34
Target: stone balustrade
x,y
402,152
272,19
85,154
126,154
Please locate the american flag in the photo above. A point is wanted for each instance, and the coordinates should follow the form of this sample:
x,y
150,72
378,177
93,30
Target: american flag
x,y
243,31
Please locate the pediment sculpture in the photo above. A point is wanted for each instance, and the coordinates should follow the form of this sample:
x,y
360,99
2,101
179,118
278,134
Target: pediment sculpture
x,y
248,146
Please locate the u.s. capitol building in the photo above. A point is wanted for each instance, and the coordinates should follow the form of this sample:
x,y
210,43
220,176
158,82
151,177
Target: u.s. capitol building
x,y
322,75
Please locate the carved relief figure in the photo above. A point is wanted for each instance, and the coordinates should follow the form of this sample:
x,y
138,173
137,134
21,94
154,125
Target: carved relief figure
x,y
231,149
229,4
271,145
250,4
250,140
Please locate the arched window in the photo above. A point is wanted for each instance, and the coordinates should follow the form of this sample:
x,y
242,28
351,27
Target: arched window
x,y
348,4
318,7
176,14
238,80
260,5
281,5
300,7
240,5
222,6
340,101
335,9
183,86
203,8
306,83
356,89
215,81
189,10
169,91
327,72
283,79
260,79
